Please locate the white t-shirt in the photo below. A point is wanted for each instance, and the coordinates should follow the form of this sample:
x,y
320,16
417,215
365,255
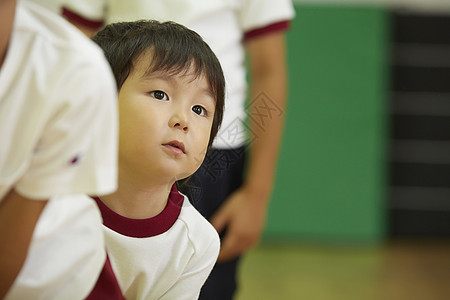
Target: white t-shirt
x,y
58,114
168,256
222,24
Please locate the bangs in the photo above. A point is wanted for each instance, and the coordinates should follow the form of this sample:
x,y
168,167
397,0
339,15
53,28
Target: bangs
x,y
175,62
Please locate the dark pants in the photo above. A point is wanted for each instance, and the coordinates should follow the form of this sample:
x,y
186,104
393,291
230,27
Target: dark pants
x,y
220,175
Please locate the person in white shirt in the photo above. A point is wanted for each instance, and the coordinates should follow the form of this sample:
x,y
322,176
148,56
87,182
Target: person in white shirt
x,y
171,101
58,114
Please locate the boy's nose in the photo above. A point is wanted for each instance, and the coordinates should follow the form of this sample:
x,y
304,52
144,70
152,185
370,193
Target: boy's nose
x,y
178,121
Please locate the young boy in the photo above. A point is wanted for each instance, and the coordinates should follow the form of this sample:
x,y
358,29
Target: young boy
x,y
58,114
171,98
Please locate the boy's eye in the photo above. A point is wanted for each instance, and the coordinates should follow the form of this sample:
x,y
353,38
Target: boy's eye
x,y
160,95
199,110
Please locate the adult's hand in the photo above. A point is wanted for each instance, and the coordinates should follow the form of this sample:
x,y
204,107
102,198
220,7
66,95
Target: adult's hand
x,y
243,215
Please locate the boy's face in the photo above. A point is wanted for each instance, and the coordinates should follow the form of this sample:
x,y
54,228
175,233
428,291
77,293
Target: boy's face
x,y
165,124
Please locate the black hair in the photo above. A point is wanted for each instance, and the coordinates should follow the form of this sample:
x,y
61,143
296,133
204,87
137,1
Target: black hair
x,y
175,49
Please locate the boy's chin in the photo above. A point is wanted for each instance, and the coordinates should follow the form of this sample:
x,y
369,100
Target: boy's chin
x,y
183,176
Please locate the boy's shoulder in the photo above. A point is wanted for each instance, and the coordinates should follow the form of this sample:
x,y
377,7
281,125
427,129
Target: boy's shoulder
x,y
200,231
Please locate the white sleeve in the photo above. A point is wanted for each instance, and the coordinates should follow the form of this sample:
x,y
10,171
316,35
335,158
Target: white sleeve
x,y
191,281
77,149
260,13
53,5
88,9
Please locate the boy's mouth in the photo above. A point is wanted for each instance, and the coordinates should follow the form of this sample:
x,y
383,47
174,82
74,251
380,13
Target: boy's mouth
x,y
176,146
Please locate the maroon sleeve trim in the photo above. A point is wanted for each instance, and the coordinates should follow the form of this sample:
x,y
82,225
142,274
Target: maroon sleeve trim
x,y
274,27
74,17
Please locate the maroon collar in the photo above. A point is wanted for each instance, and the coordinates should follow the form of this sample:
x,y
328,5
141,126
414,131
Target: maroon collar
x,y
142,228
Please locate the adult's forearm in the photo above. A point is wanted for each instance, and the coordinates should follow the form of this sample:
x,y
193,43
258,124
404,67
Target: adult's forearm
x,y
267,109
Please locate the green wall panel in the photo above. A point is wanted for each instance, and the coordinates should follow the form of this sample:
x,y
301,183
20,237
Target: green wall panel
x,y
330,180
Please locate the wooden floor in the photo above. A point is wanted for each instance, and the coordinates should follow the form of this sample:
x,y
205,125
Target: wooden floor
x,y
399,270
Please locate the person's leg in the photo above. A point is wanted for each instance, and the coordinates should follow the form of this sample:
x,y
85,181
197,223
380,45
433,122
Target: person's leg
x,y
220,175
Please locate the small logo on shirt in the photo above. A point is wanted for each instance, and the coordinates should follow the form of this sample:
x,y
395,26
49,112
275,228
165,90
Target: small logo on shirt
x,y
75,160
